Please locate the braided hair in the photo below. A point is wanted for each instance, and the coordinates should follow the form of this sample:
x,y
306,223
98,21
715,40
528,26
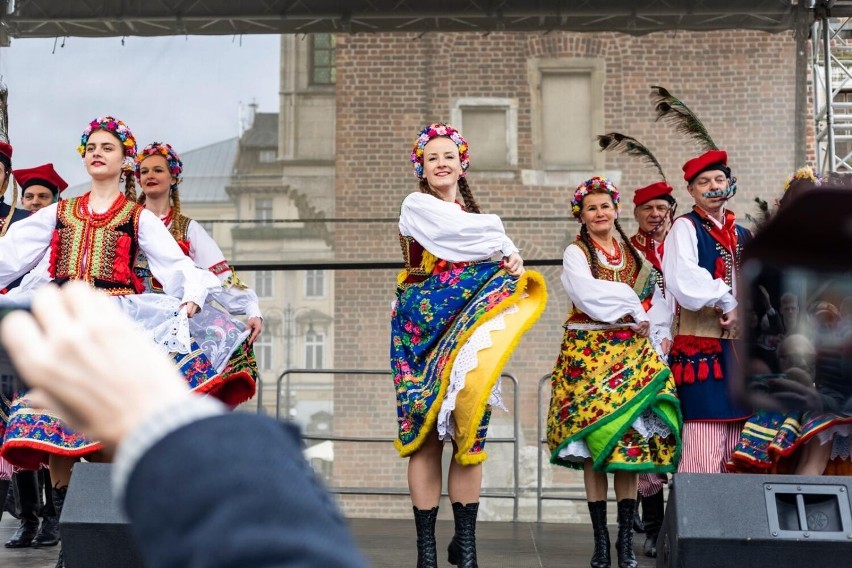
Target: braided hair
x,y
470,204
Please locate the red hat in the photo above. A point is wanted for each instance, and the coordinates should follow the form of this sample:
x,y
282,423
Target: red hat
x,y
6,154
659,190
40,175
705,162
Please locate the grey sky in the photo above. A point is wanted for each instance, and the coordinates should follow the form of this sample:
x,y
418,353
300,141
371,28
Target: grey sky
x,y
181,90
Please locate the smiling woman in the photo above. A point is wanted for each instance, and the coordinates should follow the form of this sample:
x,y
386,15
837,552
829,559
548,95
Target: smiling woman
x,y
453,303
95,238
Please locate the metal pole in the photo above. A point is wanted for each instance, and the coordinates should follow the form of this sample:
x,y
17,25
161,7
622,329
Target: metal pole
x,y
829,96
800,152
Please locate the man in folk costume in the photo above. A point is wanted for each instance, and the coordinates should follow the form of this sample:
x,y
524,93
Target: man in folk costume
x,y
653,208
40,186
702,257
701,262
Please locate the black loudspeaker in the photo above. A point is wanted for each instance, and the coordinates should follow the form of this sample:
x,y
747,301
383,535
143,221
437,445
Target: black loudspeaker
x,y
756,521
94,531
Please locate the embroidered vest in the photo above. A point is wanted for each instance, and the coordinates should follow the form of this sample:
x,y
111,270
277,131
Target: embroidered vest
x,y
420,264
641,277
101,253
720,263
140,266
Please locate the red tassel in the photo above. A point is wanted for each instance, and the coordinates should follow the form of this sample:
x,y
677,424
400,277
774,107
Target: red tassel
x,y
703,370
677,372
717,370
688,374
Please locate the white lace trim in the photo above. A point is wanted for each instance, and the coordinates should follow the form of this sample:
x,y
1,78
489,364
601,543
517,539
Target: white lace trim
x,y
839,436
841,448
465,362
646,424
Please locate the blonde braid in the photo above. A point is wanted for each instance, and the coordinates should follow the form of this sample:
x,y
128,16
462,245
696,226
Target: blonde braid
x,y
129,186
177,229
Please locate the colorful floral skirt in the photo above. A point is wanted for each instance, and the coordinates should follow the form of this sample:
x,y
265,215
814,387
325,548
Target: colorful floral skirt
x,y
770,439
613,396
30,434
431,322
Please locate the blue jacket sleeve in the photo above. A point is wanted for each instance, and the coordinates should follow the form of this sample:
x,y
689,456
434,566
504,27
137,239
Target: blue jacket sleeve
x,y
234,490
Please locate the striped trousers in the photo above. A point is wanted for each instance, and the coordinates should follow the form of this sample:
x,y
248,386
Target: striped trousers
x,y
707,446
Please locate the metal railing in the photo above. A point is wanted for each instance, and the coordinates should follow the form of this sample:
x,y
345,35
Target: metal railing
x,y
513,494
542,439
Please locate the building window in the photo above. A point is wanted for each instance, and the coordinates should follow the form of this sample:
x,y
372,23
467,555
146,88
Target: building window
x,y
491,126
268,156
563,138
323,71
263,209
264,283
314,346
263,352
314,283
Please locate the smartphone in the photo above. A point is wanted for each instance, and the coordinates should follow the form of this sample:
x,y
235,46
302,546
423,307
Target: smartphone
x,y
10,380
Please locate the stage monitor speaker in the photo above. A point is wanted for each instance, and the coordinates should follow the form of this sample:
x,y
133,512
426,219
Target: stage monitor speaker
x,y
756,521
93,529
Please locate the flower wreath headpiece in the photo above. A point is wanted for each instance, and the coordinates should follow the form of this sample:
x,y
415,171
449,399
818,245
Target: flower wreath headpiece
x,y
118,128
803,173
436,130
596,184
166,151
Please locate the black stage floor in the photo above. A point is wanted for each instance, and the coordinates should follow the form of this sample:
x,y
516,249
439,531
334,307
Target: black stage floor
x,y
390,543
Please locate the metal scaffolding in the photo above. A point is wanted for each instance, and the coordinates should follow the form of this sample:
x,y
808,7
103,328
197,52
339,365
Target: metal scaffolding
x,y
831,53
101,18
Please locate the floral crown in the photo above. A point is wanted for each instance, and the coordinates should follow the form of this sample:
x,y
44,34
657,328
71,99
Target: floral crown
x,y
595,185
118,128
803,173
436,130
166,151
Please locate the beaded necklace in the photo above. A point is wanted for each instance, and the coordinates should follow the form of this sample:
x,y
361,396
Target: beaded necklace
x,y
614,258
99,219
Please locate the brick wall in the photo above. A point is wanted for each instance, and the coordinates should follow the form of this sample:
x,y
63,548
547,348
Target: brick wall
x,y
389,85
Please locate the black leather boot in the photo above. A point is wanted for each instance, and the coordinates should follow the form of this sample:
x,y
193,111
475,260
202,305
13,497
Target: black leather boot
x,y
638,524
58,502
48,532
600,558
462,549
653,510
29,505
427,552
4,493
624,544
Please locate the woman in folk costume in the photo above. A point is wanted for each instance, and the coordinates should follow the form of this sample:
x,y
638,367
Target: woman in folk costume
x,y
95,238
613,406
800,442
158,170
654,210
457,318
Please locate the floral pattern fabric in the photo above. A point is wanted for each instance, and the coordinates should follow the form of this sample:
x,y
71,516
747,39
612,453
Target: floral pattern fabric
x,y
430,322
602,382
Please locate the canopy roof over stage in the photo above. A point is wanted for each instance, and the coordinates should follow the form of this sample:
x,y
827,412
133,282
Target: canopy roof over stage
x,y
110,18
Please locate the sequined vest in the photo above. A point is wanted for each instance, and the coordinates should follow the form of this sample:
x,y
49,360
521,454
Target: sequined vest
x,y
101,252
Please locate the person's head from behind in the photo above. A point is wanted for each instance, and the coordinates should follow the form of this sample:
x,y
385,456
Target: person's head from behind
x,y
797,352
108,149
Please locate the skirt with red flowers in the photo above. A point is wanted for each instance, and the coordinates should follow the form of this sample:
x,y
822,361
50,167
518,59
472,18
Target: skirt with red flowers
x,y
613,401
